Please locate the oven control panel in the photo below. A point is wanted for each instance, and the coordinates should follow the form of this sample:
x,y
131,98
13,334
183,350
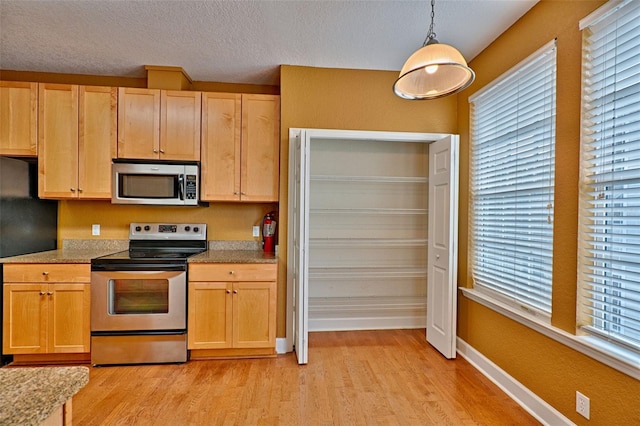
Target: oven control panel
x,y
167,231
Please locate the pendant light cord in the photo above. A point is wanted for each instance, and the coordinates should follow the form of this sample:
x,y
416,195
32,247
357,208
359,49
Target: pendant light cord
x,y
431,35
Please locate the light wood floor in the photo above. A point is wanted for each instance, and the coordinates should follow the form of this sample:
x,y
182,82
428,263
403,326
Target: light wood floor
x,y
353,378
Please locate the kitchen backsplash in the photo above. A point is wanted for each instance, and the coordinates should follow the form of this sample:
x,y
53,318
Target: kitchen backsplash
x,y
118,245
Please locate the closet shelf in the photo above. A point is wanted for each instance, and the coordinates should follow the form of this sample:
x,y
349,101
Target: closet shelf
x,y
369,179
318,304
367,242
381,272
370,211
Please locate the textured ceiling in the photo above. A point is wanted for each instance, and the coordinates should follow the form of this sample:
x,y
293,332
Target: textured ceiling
x,y
237,41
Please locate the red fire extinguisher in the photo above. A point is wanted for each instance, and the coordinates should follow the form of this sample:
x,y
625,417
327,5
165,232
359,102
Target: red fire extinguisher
x,y
269,232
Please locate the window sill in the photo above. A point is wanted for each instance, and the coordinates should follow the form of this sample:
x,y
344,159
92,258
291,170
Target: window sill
x,y
607,353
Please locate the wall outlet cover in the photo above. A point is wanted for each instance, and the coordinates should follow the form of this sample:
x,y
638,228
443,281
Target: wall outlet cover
x,y
95,229
582,405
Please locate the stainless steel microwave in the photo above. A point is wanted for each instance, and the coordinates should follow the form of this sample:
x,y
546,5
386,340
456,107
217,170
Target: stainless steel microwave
x,y
155,183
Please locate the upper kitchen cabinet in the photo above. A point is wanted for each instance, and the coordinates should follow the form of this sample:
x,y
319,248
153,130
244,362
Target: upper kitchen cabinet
x,y
77,140
240,147
159,124
18,118
98,135
221,120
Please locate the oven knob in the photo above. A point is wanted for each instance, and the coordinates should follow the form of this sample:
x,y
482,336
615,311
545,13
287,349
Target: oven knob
x,y
147,227
196,229
187,228
138,229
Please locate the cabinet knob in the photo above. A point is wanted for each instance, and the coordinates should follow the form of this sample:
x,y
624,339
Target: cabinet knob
x,y
79,189
50,293
162,151
231,272
155,150
45,273
228,291
72,189
243,193
42,293
235,291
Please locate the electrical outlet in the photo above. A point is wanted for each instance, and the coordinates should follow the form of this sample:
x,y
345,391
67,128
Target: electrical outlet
x,y
582,405
256,231
95,229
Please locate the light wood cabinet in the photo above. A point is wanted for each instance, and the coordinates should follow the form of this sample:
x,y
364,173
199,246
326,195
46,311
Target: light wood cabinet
x,y
159,124
98,135
42,315
232,306
77,140
18,118
240,147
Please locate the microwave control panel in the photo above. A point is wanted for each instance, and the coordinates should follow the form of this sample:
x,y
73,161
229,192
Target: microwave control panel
x,y
191,187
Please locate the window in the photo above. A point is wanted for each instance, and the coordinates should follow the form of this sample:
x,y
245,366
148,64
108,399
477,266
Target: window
x,y
609,240
512,178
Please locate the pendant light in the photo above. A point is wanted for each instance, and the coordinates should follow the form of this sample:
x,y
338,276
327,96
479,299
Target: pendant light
x,y
433,71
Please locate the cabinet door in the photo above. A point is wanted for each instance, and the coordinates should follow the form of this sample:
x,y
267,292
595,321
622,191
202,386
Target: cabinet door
x,y
24,328
260,147
69,318
180,125
58,141
18,118
220,177
209,320
254,314
138,123
97,140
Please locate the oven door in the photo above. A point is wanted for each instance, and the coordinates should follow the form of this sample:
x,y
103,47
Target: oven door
x,y
123,301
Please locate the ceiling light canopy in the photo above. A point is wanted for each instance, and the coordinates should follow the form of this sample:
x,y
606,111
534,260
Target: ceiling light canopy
x,y
433,71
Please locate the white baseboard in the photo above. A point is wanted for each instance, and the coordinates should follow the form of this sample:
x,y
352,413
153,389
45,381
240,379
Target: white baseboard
x,y
281,345
528,400
366,313
350,323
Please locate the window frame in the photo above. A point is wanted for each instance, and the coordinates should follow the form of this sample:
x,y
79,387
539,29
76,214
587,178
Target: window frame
x,y
507,78
588,282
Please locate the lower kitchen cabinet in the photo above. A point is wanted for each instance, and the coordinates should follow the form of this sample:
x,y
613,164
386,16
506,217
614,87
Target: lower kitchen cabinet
x,y
46,309
232,310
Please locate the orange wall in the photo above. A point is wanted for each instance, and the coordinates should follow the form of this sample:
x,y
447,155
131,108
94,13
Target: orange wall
x,y
329,98
551,370
225,221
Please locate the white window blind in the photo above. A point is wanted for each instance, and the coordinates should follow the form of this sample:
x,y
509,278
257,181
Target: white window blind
x,y
609,241
512,179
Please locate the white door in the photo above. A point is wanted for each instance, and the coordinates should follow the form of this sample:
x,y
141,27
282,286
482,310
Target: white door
x,y
442,230
298,240
442,249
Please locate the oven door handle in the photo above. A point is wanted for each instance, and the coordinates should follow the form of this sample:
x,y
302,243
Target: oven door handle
x,y
132,275
138,267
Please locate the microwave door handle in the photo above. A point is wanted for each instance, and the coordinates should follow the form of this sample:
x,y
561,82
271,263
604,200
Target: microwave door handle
x,y
181,186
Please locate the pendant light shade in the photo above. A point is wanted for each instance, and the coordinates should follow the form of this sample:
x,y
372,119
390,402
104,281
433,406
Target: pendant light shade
x,y
433,71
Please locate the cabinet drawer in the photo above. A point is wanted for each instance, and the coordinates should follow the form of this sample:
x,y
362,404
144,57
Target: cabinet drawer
x,y
233,272
47,273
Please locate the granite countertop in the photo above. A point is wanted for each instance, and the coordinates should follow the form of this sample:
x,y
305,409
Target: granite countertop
x,y
30,395
57,256
233,256
82,251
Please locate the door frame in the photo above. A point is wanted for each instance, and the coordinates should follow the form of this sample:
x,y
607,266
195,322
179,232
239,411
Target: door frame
x,y
303,137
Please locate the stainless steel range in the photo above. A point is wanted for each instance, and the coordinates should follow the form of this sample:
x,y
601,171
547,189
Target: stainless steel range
x,y
139,296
